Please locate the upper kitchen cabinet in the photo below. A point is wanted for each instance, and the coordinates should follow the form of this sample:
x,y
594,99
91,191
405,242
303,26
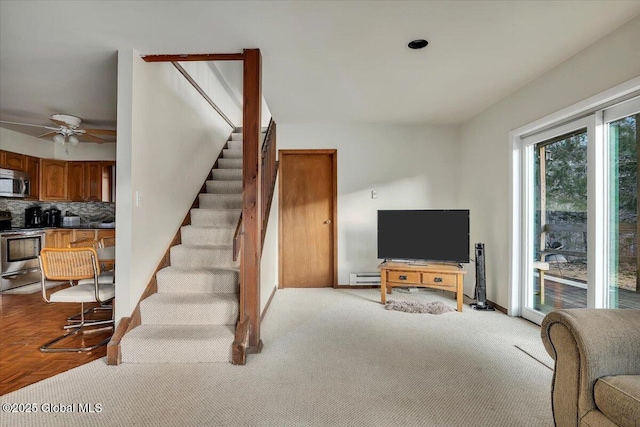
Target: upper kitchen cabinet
x,y
93,181
108,176
85,182
53,180
33,169
14,161
75,181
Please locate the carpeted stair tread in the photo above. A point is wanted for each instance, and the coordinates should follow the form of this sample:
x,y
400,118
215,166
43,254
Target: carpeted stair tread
x,y
230,163
237,136
231,154
203,256
189,309
227,174
200,235
220,201
178,344
222,218
224,187
198,280
234,144
192,316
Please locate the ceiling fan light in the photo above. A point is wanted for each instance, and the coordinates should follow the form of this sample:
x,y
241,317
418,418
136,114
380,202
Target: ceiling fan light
x,y
73,140
58,138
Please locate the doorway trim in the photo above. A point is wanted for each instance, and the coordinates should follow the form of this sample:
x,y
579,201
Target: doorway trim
x,y
334,223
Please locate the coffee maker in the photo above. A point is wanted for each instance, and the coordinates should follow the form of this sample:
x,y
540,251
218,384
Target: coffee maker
x,y
33,217
52,217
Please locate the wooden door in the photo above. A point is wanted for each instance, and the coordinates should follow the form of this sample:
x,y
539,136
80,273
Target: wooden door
x,y
308,193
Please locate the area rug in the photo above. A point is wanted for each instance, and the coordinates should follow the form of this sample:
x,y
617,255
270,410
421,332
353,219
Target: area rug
x,y
419,307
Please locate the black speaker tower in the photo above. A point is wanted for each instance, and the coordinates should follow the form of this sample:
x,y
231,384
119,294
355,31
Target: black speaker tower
x,y
481,283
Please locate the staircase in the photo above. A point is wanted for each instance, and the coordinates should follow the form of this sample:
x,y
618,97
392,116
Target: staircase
x,y
192,318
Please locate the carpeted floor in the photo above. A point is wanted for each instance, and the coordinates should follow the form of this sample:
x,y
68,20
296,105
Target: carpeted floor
x,y
331,357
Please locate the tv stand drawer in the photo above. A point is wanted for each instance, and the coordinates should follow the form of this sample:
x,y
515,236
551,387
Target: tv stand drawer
x,y
403,276
439,279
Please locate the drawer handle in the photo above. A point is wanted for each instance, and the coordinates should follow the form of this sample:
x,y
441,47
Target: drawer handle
x,y
402,277
437,279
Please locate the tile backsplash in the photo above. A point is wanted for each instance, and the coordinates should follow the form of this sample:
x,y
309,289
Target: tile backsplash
x,y
87,211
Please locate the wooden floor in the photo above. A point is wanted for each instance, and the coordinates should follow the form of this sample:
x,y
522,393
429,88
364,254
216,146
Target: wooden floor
x,y
558,295
26,323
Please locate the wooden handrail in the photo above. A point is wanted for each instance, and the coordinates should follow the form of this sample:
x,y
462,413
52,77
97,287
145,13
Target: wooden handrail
x,y
194,57
269,172
203,94
236,239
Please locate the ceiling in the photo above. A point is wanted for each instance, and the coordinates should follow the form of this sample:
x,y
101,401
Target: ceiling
x,y
323,61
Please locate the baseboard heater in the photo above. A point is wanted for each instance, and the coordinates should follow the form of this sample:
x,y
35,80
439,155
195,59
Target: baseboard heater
x,y
364,279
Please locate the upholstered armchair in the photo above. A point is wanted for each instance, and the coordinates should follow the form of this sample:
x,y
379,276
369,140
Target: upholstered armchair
x,y
596,380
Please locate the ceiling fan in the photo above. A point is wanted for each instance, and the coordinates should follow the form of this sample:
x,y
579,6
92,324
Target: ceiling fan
x,y
68,130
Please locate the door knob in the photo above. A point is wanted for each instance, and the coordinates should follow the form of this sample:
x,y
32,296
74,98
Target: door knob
x,y
328,221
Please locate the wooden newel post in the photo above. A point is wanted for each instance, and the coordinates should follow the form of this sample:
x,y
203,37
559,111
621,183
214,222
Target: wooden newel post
x,y
251,199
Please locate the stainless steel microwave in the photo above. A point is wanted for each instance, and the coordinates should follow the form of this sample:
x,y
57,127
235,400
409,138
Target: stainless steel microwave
x,y
14,183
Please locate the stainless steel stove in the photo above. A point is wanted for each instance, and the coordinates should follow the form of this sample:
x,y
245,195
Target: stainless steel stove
x,y
19,251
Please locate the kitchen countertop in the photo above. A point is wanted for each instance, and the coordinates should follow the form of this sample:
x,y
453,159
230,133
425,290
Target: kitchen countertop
x,y
90,227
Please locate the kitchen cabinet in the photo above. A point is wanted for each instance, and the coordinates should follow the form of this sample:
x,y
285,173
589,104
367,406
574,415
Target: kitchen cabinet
x,y
53,180
33,169
14,161
105,233
91,234
61,237
93,181
75,181
58,238
108,176
59,180
85,182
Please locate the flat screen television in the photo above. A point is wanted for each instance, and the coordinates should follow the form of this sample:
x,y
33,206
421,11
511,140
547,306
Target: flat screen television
x,y
426,235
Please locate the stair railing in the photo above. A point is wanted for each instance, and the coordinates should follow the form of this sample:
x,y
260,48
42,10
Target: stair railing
x,y
269,173
259,168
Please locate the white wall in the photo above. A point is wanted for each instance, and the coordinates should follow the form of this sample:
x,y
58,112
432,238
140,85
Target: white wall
x,y
45,148
218,89
409,167
270,255
168,139
231,72
485,147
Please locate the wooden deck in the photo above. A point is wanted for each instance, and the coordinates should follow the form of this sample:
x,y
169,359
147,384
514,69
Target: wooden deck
x,y
558,295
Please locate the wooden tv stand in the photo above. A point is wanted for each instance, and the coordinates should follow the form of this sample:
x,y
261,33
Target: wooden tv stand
x,y
432,275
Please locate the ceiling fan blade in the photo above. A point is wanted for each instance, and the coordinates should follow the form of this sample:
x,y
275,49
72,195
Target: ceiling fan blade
x,y
59,122
46,134
29,124
92,138
102,131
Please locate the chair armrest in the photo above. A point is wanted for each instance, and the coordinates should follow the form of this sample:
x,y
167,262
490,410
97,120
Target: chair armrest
x,y
588,344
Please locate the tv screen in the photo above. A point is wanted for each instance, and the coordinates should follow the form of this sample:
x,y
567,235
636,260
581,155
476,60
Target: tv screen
x,y
433,235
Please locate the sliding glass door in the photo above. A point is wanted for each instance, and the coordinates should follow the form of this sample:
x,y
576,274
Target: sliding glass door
x,y
580,213
623,140
560,222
